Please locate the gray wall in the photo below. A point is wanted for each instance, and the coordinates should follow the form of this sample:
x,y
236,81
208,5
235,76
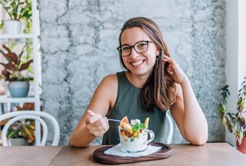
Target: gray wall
x,y
79,40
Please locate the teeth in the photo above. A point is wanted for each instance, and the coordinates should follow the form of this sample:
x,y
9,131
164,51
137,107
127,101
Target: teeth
x,y
136,63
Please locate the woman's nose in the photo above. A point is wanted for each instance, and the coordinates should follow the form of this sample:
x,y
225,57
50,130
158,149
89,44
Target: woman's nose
x,y
134,53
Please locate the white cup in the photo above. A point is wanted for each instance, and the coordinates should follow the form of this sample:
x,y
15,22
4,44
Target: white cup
x,y
136,144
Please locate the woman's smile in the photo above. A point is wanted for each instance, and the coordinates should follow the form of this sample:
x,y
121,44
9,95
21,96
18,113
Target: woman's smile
x,y
137,63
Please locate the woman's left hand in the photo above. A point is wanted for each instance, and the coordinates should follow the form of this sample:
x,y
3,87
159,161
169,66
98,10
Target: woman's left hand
x,y
174,70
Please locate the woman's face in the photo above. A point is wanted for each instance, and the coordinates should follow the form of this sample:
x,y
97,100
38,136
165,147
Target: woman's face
x,y
138,63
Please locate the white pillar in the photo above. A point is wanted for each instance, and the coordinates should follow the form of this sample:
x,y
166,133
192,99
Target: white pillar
x,y
235,53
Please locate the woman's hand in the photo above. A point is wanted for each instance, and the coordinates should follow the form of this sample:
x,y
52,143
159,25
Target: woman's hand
x,y
96,124
174,70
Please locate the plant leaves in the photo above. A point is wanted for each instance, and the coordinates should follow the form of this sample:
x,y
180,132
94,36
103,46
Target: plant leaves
x,y
10,56
24,66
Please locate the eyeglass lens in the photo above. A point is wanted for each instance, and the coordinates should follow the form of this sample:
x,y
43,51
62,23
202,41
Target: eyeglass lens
x,y
139,47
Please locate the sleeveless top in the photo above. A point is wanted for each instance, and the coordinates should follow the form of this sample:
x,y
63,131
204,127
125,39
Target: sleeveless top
x,y
128,103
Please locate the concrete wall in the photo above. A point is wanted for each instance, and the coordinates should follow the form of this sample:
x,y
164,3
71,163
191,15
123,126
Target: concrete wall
x,y
79,40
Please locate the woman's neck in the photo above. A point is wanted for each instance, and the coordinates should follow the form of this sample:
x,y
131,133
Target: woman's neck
x,y
137,80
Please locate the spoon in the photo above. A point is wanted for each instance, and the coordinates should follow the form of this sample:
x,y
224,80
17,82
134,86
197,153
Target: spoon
x,y
114,120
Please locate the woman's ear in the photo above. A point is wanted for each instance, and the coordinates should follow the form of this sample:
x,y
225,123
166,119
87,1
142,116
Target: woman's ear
x,y
157,52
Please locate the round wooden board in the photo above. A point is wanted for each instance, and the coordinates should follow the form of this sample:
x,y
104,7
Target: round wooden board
x,y
100,157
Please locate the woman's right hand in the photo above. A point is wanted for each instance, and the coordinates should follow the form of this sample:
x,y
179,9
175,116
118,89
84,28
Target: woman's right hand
x,y
96,124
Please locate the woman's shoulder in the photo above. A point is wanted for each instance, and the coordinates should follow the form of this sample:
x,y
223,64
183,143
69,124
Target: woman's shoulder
x,y
109,82
109,87
110,79
113,78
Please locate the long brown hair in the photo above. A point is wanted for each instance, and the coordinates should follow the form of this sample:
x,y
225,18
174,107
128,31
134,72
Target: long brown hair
x,y
159,90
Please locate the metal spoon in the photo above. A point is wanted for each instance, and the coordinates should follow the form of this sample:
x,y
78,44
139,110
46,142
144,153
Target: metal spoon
x,y
114,120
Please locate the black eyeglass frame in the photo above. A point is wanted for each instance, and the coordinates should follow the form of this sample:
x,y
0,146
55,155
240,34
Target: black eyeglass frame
x,y
133,46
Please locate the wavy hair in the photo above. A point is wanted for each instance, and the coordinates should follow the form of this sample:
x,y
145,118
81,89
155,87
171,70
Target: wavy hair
x,y
159,90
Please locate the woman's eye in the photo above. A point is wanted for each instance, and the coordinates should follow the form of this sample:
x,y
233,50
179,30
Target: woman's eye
x,y
141,45
125,48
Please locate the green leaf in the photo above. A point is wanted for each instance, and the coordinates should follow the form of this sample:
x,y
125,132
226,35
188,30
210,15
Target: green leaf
x,y
12,133
137,127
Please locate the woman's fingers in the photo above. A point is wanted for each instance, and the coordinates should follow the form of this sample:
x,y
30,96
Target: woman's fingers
x,y
99,127
174,69
90,112
170,67
92,117
96,124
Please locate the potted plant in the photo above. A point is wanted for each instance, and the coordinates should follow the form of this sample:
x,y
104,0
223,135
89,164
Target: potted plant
x,y
17,10
21,132
13,72
235,122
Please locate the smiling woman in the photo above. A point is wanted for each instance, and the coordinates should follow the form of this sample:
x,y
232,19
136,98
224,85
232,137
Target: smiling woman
x,y
152,84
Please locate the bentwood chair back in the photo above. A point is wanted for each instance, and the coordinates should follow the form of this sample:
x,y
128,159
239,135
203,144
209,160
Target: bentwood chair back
x,y
168,132
42,117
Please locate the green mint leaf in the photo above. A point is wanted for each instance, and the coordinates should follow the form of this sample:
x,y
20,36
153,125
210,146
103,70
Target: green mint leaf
x,y
137,127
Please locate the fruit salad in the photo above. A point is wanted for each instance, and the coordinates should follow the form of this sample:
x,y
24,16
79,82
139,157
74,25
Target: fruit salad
x,y
133,129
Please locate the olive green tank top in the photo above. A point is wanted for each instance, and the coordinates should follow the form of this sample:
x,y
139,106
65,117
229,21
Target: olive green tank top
x,y
128,103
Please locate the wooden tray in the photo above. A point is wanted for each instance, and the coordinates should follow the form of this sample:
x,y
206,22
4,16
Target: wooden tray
x,y
100,157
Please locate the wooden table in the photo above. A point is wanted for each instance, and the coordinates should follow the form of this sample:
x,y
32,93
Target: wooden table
x,y
210,154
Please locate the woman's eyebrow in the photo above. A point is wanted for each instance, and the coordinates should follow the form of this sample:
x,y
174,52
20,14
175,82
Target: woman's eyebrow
x,y
125,44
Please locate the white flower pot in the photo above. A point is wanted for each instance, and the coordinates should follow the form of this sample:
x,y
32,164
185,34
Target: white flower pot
x,y
12,27
17,142
18,88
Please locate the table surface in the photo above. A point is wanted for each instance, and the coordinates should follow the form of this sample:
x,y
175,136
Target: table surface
x,y
182,154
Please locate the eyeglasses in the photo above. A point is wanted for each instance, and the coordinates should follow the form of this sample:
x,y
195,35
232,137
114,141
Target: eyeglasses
x,y
139,47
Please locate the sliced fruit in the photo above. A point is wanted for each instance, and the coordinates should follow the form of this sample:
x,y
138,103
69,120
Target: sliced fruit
x,y
124,120
123,133
127,127
146,122
135,134
132,130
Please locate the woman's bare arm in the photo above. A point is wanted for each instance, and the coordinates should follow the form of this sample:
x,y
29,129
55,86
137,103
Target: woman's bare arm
x,y
186,111
189,116
93,124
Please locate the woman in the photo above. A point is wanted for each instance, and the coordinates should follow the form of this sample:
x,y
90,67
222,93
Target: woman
x,y
152,83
